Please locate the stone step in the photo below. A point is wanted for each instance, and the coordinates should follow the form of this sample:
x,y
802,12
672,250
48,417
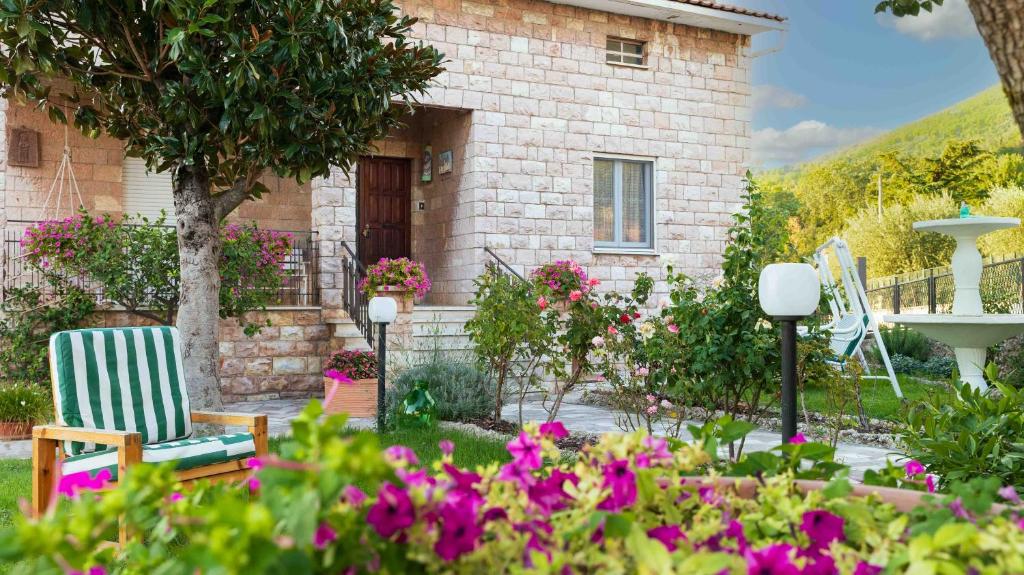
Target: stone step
x,y
447,314
347,329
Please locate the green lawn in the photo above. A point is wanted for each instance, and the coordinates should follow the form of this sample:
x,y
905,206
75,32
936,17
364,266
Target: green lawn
x,y
879,398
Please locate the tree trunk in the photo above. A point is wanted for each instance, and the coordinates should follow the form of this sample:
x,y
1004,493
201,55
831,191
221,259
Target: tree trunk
x,y
199,251
1001,23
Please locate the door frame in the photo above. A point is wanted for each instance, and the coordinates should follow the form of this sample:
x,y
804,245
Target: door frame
x,y
359,211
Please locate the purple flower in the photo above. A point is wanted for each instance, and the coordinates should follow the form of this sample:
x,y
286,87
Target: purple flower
x,y
353,495
865,568
518,474
94,570
555,429
822,528
1010,494
525,451
819,564
447,447
392,512
549,494
462,480
772,560
401,454
622,481
324,536
797,439
459,532
668,535
958,509
70,485
929,482
338,376
913,468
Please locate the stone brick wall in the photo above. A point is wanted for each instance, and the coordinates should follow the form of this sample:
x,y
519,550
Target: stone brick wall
x,y
542,103
97,166
284,360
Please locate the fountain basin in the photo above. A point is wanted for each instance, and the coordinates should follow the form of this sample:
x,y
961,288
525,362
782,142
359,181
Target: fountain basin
x,y
963,330
972,227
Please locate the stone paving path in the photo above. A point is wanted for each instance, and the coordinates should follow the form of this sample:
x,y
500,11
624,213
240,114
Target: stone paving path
x,y
576,417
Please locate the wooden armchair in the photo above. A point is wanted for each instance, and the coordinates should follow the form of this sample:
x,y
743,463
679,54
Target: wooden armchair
x,y
119,400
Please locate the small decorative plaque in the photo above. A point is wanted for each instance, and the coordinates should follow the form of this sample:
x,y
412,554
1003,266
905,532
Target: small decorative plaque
x,y
23,148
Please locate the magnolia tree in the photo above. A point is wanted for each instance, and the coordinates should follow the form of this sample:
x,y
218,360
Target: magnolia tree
x,y
220,93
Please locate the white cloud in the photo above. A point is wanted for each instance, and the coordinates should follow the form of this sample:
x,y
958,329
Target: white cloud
x,y
951,20
770,96
804,140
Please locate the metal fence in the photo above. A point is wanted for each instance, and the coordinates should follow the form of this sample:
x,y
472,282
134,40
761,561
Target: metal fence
x,y
931,291
300,288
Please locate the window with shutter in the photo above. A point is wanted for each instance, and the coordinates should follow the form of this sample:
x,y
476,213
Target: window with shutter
x,y
146,193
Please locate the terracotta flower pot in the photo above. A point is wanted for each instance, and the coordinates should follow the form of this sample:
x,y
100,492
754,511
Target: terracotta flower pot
x,y
402,295
358,399
10,430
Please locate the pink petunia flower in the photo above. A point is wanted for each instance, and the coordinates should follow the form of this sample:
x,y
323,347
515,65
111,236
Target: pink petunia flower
x,y
517,474
72,484
353,495
929,482
668,535
324,536
392,512
797,439
447,447
622,481
254,484
401,455
865,568
1010,494
525,451
772,560
459,532
822,528
913,468
555,429
338,376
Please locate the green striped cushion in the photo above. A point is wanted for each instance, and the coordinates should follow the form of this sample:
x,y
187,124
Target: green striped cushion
x,y
126,379
186,453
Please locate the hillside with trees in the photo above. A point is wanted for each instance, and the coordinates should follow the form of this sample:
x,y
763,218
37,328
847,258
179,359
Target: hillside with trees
x,y
970,152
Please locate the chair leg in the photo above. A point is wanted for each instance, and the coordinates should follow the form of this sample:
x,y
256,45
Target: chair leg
x,y
128,455
44,465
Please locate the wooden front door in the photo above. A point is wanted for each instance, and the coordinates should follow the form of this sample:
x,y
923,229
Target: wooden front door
x,y
383,208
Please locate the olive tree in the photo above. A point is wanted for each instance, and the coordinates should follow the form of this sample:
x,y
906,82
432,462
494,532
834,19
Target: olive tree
x,y
221,92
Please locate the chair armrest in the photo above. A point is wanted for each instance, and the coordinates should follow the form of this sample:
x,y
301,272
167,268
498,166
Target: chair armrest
x,y
228,418
87,435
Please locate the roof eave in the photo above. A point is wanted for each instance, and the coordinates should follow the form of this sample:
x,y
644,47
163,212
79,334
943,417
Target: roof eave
x,y
682,13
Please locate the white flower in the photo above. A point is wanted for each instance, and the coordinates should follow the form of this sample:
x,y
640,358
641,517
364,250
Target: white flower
x,y
763,325
664,302
718,281
700,297
598,341
666,404
646,329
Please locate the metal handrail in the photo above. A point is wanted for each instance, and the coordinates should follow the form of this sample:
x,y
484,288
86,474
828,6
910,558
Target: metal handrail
x,y
354,301
500,264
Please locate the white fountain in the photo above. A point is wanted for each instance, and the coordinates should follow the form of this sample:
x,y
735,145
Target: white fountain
x,y
968,330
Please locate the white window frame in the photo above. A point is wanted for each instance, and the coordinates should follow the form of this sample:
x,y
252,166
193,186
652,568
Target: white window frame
x,y
617,245
622,54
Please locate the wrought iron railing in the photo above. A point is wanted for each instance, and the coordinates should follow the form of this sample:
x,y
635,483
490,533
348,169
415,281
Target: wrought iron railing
x,y
500,266
931,291
354,301
299,288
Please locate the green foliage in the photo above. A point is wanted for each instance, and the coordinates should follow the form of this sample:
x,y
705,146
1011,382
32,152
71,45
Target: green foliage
x,y
27,318
25,402
975,434
892,246
900,340
508,335
906,7
135,263
938,367
724,352
333,502
965,171
1008,202
230,88
460,391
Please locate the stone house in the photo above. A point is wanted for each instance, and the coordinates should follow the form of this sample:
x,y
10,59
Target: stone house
x,y
612,132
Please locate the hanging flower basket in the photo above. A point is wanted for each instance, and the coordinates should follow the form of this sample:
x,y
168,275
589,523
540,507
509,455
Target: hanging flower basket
x,y
400,278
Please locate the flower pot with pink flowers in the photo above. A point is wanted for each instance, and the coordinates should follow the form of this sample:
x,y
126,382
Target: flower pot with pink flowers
x,y
561,284
400,278
350,383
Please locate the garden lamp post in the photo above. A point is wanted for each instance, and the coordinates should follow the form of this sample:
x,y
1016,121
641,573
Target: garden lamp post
x,y
788,292
382,311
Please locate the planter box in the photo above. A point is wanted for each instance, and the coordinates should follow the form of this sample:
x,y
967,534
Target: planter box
x,y
402,295
358,399
10,430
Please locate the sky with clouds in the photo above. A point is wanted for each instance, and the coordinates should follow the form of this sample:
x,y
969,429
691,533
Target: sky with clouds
x,y
844,74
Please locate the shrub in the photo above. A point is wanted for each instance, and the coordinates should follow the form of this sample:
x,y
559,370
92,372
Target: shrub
x,y
1005,202
970,434
509,337
354,364
559,279
892,246
399,272
630,504
25,402
939,366
904,341
460,391
27,318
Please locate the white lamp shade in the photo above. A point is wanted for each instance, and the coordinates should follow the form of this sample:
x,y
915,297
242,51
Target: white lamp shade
x,y
383,309
789,290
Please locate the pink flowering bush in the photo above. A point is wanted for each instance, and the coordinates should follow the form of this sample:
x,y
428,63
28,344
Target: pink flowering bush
x,y
335,503
135,263
396,274
562,280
